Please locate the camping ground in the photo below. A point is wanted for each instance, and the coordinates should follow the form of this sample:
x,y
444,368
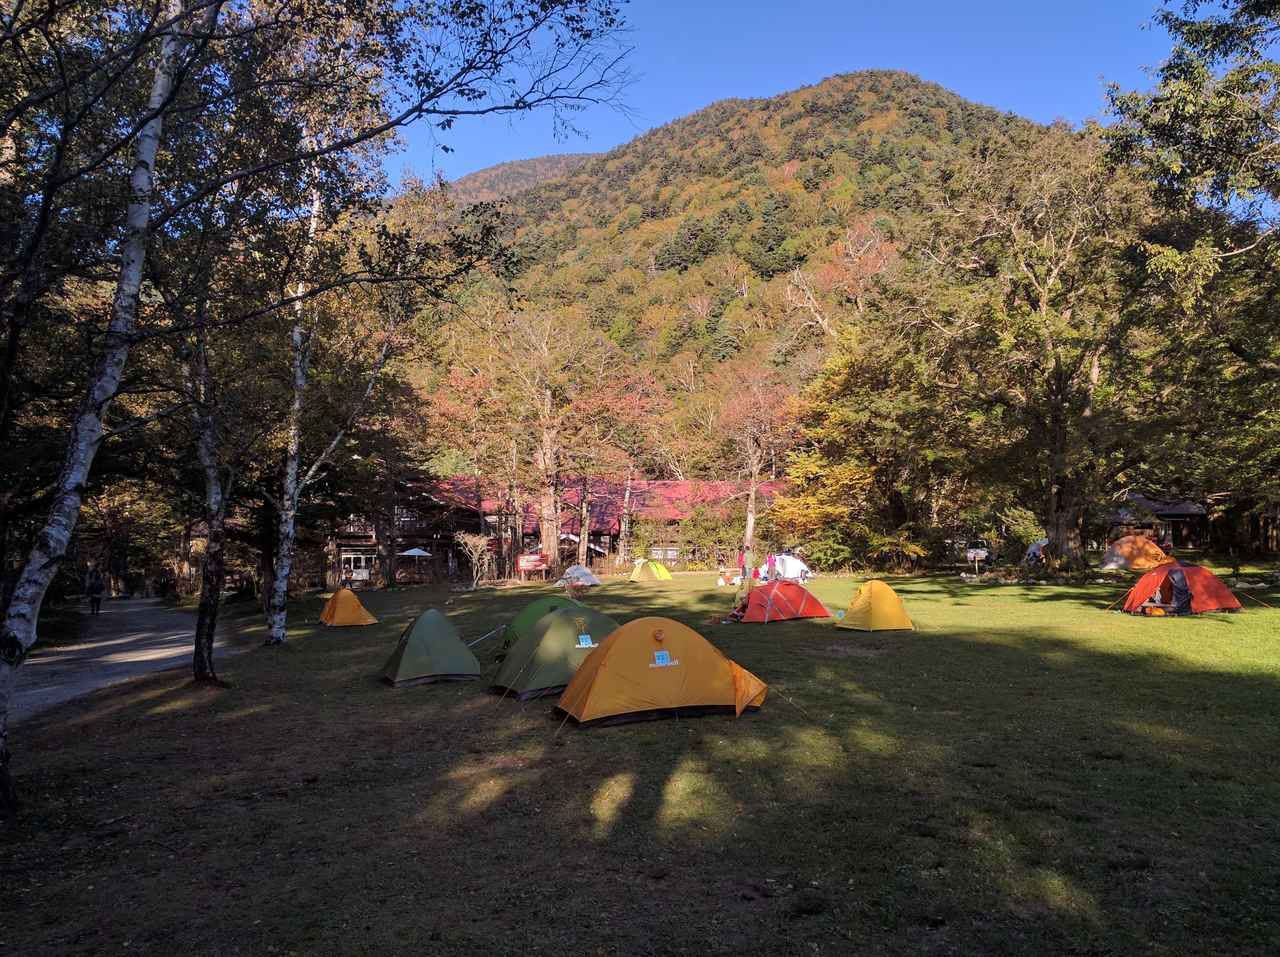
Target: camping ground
x,y
1026,773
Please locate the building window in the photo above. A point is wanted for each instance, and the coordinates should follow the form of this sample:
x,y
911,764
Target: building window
x,y
357,566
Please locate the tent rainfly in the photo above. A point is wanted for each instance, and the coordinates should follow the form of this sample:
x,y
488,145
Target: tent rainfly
x,y
518,627
657,667
578,575
782,601
647,570
1133,553
876,607
1177,589
430,650
344,609
787,567
546,657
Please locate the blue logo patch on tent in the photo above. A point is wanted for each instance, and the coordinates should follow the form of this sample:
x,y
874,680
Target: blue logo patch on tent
x,y
584,641
662,659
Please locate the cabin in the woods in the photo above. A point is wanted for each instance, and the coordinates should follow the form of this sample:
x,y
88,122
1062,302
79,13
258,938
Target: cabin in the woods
x,y
1179,521
433,512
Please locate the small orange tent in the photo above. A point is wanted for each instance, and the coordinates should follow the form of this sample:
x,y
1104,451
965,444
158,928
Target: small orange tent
x,y
652,667
782,601
344,608
1133,553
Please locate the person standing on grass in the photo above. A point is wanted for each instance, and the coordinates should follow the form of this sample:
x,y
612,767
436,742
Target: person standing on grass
x,y
773,566
95,590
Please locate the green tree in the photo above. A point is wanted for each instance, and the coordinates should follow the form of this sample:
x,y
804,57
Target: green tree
x,y
1027,309
1208,138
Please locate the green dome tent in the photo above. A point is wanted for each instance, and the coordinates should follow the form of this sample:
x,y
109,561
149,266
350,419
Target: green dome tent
x,y
430,650
528,616
543,661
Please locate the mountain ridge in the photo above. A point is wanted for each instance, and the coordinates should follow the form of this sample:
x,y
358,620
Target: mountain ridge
x,y
503,180
739,194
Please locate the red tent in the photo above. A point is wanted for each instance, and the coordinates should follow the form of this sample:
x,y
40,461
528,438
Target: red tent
x,y
780,601
1208,593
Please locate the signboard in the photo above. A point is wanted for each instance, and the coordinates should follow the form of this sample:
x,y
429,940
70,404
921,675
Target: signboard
x,y
531,563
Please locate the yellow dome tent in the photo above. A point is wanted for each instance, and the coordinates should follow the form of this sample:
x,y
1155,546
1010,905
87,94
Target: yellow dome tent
x,y
876,607
344,608
647,570
656,666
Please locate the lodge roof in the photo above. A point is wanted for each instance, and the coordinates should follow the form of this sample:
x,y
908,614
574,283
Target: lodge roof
x,y
1139,505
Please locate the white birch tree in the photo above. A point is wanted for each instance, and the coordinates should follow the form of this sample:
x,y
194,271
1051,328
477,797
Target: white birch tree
x,y
378,66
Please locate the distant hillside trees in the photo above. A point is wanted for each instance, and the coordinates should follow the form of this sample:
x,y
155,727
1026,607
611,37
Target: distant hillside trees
x,y
505,180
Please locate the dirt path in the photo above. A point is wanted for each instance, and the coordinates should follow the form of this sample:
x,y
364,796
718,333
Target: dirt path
x,y
131,637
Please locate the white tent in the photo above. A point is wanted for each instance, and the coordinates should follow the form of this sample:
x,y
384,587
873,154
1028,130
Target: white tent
x,y
578,575
789,567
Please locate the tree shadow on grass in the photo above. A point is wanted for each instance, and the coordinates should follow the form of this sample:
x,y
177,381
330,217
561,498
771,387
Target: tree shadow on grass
x,y
1007,793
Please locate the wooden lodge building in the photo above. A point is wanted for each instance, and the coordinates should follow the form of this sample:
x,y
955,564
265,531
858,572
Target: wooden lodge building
x,y
433,512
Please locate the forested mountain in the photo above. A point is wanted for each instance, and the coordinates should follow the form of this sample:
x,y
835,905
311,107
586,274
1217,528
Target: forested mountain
x,y
724,250
952,302
507,179
682,243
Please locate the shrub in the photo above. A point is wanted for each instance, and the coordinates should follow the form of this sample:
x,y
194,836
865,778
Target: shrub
x,y
1020,528
894,549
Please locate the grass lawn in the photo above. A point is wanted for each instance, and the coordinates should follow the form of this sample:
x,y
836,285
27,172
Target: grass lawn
x,y
1025,774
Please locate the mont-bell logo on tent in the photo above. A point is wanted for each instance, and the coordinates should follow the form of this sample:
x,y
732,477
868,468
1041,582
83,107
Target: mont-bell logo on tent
x,y
663,659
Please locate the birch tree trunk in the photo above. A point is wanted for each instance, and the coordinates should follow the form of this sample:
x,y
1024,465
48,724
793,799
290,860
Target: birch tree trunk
x,y
290,491
584,526
286,526
749,535
23,610
294,481
624,524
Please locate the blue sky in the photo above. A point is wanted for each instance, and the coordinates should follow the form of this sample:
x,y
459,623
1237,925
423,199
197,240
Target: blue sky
x,y
1040,58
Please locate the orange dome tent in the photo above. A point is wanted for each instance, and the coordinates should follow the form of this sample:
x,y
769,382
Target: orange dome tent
x,y
653,667
782,601
1177,589
1133,553
344,608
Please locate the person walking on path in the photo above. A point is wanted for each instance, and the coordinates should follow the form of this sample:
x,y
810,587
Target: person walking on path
x,y
95,589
